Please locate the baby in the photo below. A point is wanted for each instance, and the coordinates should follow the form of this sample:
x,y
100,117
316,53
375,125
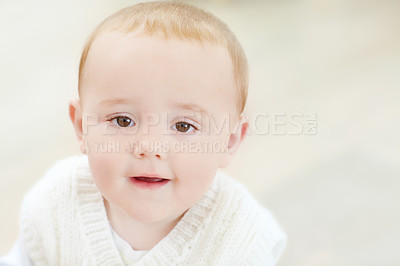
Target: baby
x,y
162,90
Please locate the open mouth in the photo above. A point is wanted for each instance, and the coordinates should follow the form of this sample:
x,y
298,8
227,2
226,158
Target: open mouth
x,y
149,179
148,182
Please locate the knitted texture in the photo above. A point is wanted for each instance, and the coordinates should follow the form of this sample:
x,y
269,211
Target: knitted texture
x,y
64,222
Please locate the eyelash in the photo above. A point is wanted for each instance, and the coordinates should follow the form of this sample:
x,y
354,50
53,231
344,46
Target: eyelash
x,y
120,116
123,116
191,125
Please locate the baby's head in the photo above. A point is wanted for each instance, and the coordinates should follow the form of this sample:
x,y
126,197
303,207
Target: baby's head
x,y
162,89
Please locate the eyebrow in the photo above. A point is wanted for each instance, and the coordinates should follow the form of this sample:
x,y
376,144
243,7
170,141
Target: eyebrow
x,y
116,101
185,106
191,106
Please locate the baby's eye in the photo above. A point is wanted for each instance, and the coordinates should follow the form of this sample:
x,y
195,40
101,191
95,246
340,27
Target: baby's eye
x,y
184,127
123,121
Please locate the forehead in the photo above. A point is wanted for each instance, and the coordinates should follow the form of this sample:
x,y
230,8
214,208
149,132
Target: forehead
x,y
152,69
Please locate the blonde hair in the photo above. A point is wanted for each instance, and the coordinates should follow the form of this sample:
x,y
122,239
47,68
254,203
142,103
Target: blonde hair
x,y
181,21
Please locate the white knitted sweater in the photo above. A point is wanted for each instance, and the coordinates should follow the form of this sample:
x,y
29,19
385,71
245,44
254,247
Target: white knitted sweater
x,y
64,222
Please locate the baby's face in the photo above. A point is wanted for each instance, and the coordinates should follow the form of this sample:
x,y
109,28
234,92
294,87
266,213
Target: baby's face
x,y
153,98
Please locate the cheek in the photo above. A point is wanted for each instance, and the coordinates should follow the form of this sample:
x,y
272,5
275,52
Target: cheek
x,y
195,173
104,162
101,167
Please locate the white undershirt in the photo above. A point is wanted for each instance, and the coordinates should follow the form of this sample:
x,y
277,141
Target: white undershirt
x,y
128,254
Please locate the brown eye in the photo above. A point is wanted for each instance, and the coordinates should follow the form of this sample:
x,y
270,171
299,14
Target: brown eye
x,y
124,121
183,126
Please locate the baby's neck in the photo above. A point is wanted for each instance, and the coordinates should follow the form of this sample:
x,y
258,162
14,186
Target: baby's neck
x,y
139,235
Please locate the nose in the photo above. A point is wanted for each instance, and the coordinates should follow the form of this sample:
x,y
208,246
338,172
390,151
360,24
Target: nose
x,y
146,149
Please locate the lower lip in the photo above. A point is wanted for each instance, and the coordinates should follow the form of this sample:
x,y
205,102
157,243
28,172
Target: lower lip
x,y
148,185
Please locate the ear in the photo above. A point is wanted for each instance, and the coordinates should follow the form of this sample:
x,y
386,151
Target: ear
x,y
75,114
235,139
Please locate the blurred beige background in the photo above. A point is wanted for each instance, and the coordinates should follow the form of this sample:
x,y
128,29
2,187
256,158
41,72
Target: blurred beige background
x,y
335,193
